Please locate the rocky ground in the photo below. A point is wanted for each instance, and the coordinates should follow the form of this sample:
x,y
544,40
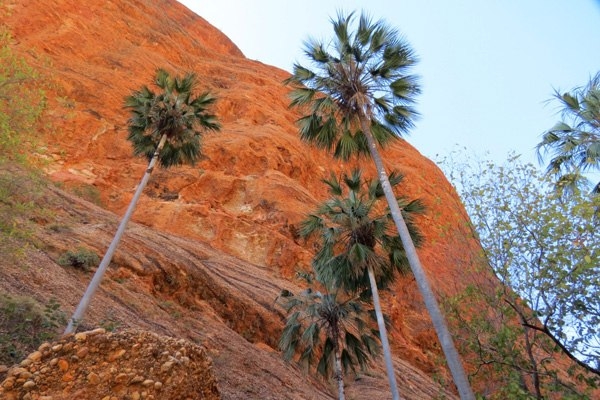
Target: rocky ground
x,y
125,365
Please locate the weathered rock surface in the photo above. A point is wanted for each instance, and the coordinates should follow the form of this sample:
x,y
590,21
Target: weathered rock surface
x,y
185,289
223,238
257,180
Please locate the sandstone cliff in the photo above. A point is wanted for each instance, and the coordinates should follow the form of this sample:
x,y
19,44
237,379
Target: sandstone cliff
x,y
217,241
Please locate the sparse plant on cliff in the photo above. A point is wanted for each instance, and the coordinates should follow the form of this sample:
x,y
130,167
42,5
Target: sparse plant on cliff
x,y
360,94
22,102
25,324
165,127
328,331
81,258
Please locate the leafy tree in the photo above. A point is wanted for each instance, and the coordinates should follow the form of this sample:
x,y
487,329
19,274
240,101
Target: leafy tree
x,y
328,331
543,248
167,128
574,142
358,95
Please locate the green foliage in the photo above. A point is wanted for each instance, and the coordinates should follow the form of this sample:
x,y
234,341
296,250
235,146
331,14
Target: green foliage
x,y
174,112
82,258
20,191
543,248
363,73
354,229
22,102
320,326
574,142
110,323
87,192
25,324
354,232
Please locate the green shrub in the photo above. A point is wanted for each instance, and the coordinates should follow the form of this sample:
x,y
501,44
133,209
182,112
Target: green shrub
x,y
25,324
88,192
81,258
20,192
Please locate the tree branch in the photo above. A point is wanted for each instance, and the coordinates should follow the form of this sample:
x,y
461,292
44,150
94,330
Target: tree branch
x,y
544,329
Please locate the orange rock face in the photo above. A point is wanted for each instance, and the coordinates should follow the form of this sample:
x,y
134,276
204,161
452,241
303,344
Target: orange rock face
x,y
257,179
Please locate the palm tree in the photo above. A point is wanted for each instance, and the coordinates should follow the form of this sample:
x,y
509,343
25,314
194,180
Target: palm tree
x,y
335,334
574,142
360,95
167,128
358,251
356,235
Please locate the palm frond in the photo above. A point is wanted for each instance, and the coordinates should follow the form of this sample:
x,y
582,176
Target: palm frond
x,y
571,144
335,187
346,146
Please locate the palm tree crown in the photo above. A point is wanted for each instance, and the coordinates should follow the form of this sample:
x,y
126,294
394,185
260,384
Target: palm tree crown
x,y
574,142
174,112
331,334
363,73
318,318
356,231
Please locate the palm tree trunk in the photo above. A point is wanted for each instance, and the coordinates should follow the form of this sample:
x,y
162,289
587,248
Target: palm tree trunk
x,y
439,323
338,374
97,278
387,354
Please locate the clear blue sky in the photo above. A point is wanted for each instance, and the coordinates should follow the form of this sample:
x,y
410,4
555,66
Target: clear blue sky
x,y
487,67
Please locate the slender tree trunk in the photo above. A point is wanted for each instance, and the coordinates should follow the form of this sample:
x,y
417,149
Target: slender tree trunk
x,y
97,278
534,366
439,323
338,374
387,353
535,373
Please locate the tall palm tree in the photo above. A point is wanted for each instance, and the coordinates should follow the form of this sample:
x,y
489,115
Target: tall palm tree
x,y
574,142
166,127
358,249
359,95
326,330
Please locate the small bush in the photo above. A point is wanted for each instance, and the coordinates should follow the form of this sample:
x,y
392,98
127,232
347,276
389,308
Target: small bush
x,y
81,258
88,192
